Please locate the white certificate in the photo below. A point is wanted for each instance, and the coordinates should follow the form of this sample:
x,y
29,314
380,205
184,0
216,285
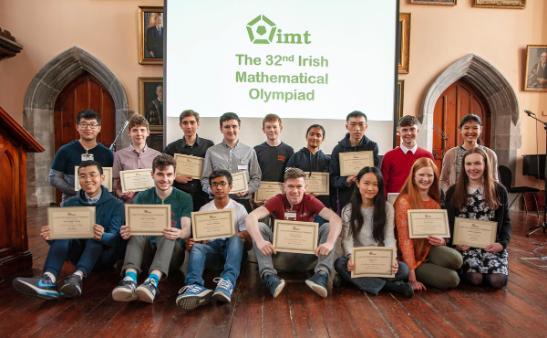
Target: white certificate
x,y
188,165
295,237
148,219
474,233
107,172
428,222
267,190
240,182
71,222
318,183
373,261
207,225
352,162
136,180
392,197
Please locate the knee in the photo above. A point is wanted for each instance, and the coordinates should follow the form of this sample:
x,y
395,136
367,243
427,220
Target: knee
x,y
340,265
402,272
474,278
59,244
198,248
496,280
451,280
235,243
265,230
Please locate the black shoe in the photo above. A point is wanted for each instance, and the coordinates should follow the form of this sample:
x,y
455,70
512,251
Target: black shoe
x,y
399,287
318,283
274,284
125,291
71,286
147,291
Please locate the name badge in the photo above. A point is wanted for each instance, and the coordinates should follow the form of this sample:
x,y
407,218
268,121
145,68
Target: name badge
x,y
87,157
290,215
241,167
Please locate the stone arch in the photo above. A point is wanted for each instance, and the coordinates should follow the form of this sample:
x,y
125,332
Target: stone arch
x,y
39,104
499,97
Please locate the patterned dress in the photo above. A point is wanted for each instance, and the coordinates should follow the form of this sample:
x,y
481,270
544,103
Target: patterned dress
x,y
479,260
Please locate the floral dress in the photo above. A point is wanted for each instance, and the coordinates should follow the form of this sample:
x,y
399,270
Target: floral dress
x,y
476,259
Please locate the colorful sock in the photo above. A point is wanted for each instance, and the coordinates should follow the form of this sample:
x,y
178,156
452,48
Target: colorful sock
x,y
131,274
79,273
51,276
154,278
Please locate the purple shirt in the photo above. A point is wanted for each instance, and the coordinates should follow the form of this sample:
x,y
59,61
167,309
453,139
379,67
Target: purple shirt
x,y
130,158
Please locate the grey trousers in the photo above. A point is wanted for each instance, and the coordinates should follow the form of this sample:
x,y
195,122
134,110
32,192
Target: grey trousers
x,y
440,269
164,254
293,261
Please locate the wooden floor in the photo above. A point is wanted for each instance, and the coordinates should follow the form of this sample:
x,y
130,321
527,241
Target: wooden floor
x,y
520,310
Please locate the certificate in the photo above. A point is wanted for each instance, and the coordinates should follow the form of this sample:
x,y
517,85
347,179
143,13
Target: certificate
x,y
428,222
392,197
107,172
188,165
318,183
295,237
373,261
352,162
148,219
240,182
266,190
71,222
136,180
213,224
474,232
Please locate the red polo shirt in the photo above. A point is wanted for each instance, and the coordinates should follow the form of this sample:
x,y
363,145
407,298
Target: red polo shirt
x,y
305,210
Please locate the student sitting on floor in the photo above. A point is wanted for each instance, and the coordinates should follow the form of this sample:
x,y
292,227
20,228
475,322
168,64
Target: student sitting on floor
x,y
227,250
368,221
294,204
87,254
477,196
166,251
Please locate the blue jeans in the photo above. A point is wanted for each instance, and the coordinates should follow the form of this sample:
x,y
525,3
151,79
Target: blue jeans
x,y
86,254
230,250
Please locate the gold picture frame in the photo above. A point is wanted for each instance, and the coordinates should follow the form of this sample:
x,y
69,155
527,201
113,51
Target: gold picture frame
x,y
151,35
434,2
510,4
400,98
403,64
535,75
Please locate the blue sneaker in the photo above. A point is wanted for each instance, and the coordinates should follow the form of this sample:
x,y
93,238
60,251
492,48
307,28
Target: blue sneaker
x,y
274,284
41,287
223,291
147,291
318,283
191,296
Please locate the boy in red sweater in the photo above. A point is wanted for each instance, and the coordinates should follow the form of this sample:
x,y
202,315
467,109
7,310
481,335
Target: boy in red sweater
x,y
397,162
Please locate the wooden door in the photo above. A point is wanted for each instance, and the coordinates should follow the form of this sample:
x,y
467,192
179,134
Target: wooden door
x,y
457,101
85,92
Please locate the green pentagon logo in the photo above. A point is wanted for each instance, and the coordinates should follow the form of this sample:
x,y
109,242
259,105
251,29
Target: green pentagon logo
x,y
261,30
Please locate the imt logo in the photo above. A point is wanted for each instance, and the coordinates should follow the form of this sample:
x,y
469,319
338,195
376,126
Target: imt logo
x,y
263,31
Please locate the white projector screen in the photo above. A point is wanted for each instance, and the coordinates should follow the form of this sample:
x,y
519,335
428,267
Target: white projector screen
x,y
309,59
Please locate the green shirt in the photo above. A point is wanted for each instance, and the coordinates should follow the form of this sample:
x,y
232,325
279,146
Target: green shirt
x,y
181,203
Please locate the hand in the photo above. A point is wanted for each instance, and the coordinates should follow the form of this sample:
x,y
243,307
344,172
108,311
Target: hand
x,y
265,247
494,247
350,180
127,196
98,232
395,267
351,265
436,241
183,179
324,249
125,232
416,286
241,194
171,233
463,248
44,232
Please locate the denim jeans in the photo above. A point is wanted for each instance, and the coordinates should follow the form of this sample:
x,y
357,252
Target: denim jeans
x,y
86,254
230,250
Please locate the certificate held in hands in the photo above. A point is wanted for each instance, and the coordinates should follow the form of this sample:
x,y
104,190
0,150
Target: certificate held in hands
x,y
188,165
352,162
318,183
147,219
240,182
428,222
136,180
214,224
474,233
71,222
373,261
267,190
295,237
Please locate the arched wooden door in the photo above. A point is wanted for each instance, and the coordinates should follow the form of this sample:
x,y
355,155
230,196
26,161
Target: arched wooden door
x,y
457,101
84,92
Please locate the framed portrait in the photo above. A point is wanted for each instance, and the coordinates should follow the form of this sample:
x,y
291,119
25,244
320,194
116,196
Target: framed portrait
x,y
536,68
151,101
400,98
500,3
151,35
434,2
155,140
404,43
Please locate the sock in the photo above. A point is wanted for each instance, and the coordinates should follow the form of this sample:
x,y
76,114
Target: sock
x,y
131,274
79,273
155,277
51,276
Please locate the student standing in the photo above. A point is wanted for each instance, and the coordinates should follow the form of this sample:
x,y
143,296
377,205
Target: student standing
x,y
475,195
190,144
429,260
273,154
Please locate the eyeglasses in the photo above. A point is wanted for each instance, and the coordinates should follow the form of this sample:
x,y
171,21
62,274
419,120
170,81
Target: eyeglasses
x,y
219,184
89,125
